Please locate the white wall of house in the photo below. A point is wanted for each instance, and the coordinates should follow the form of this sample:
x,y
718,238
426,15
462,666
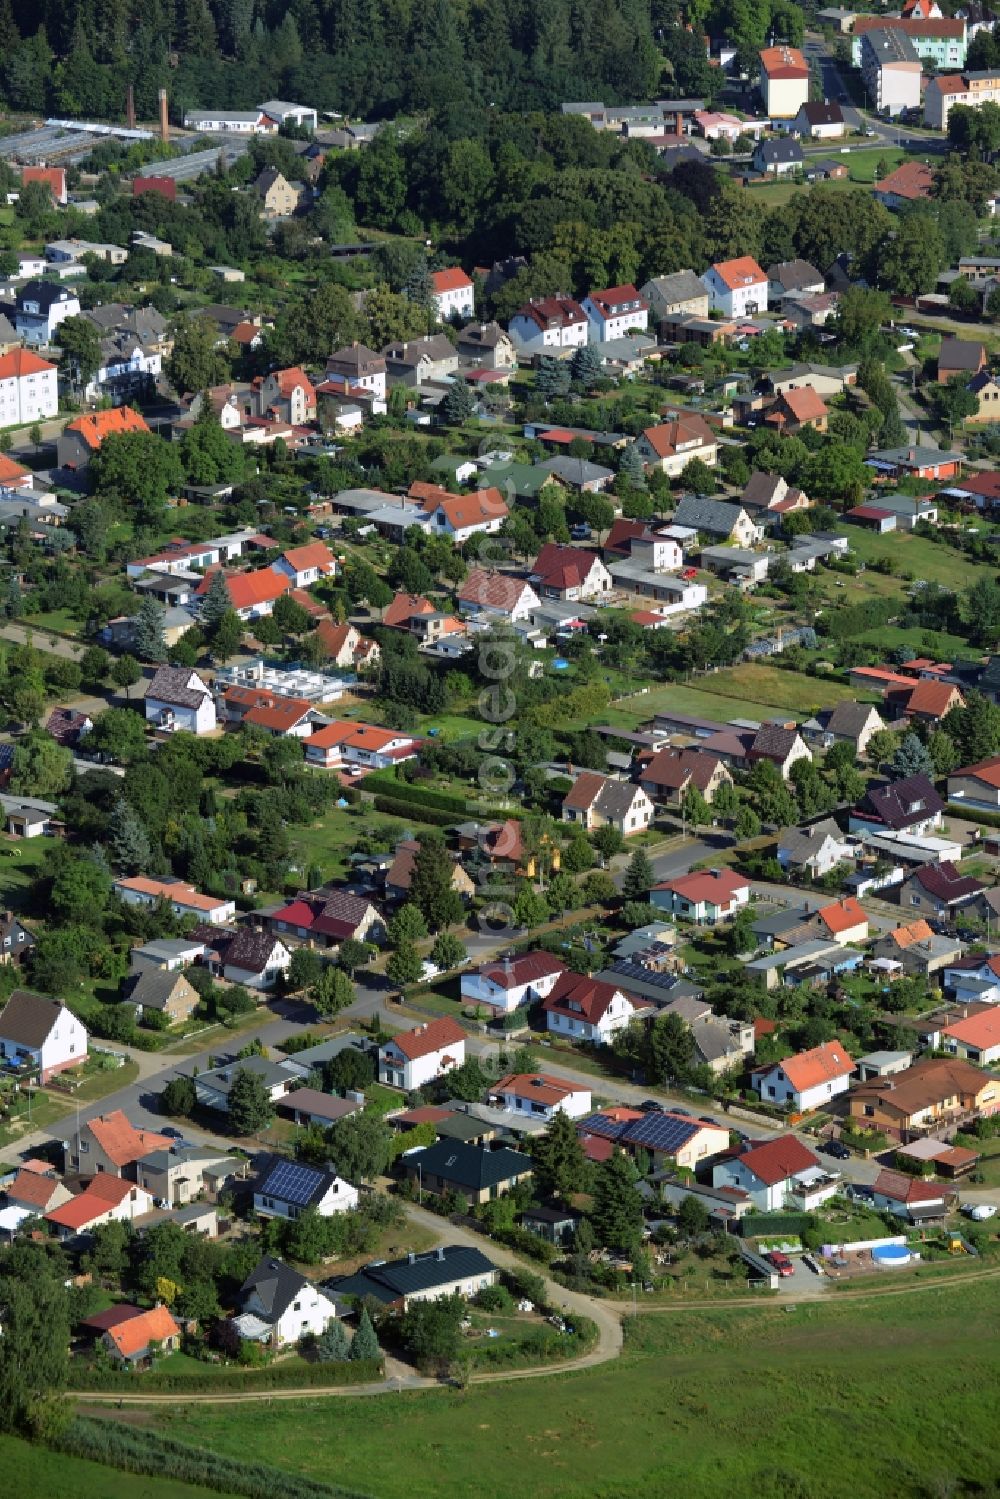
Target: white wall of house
x,y
28,398
277,964
615,1018
576,1104
774,1087
481,990
736,301
340,1197
399,1071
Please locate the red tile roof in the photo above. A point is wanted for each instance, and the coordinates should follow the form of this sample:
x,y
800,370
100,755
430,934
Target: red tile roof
x,y
562,567
540,1087
822,1064
546,311
579,997
451,279
842,915
982,1030
744,271
777,1160
912,180
480,508
404,606
497,590
121,1142
987,771
669,438
524,969
784,62
426,1039
279,714
22,362
315,554
135,1334
30,1189
95,426
53,178
716,889
805,404
247,590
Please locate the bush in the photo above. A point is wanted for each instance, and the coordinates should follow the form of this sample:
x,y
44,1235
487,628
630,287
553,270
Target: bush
x,y
495,1299
204,1382
410,810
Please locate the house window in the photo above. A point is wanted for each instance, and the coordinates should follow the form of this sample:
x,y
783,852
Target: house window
x,y
869,1111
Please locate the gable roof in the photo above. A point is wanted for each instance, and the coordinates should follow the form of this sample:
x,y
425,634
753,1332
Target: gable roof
x,y
496,590
981,1030
20,363
404,606
961,354
471,1166
783,62
418,1272
672,769
901,804
818,112
674,436
613,799
133,1335
32,1189
716,516
28,1018
905,936
170,685
743,271
153,987
314,554
426,1039
576,995
842,915
822,1064
453,278
912,180
563,567
479,508
548,312
715,889
805,403
777,1160
120,1141
944,881
509,973
787,149
680,286
850,718
276,1286
615,300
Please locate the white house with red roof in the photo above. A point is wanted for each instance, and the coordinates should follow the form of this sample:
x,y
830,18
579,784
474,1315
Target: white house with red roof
x,y
413,1058
81,438
111,1144
489,596
54,178
106,1199
182,898
597,801
549,325
569,573
784,81
587,1009
539,1096
976,1037
252,595
845,920
977,785
510,983
615,311
459,516
737,288
670,446
772,1173
452,293
342,744
705,898
29,388
346,646
307,564
807,1080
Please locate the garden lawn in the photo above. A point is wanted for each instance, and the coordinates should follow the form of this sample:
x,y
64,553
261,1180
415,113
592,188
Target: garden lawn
x,y
328,841
893,637
832,1399
749,690
933,561
34,1473
989,1165
19,863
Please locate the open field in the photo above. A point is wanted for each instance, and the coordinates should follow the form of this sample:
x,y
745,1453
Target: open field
x,y
861,162
747,691
19,861
810,1402
932,561
892,637
35,1473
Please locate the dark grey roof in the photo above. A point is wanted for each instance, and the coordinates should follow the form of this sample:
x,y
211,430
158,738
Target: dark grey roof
x,y
221,1079
773,152
681,286
773,740
470,1166
416,1273
901,804
152,987
960,354
249,950
889,46
761,488
46,293
849,718
578,471
715,516
276,1285
818,113
170,685
28,1018
794,275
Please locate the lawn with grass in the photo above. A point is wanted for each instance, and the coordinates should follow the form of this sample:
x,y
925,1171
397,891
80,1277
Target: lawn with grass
x,y
333,837
750,690
989,1164
916,639
45,1109
931,561
20,859
830,1399
35,1473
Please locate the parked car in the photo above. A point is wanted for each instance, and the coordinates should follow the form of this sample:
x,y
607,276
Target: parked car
x,y
171,1133
686,1112
837,1149
650,1106
781,1263
689,573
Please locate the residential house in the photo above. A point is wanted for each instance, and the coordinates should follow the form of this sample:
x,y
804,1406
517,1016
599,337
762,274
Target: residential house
x,y
717,518
41,307
537,1095
253,957
452,294
635,539
279,1306
794,410
844,921
586,1009
917,949
771,1174
671,773
110,1144
472,1172
487,346
548,325
287,396
510,983
40,1035
736,288
308,1106
399,875
326,918
671,1139
927,701
54,178
81,438
910,805
415,1057
913,1198
415,361
451,1270
615,312
793,278
361,746
252,595
780,743
934,1096
939,41
770,492
935,464
681,294
213,1086
976,786
106,1199
578,473
909,183
29,390
278,198
492,597
960,358
362,368
813,851
346,647
942,890
784,81
16,942
705,898
670,446
287,1189
596,801
162,991
178,698
818,120
976,1038
778,157
459,516
135,1336
808,1080
269,711
308,564
848,723
971,90
182,899
36,1192
986,388
569,573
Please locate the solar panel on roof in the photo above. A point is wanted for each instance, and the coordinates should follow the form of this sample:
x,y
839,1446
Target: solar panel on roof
x,y
659,1132
292,1182
648,975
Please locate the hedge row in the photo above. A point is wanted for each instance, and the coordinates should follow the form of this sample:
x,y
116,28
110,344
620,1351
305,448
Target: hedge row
x,y
854,619
144,1451
763,1225
414,813
424,796
219,1378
